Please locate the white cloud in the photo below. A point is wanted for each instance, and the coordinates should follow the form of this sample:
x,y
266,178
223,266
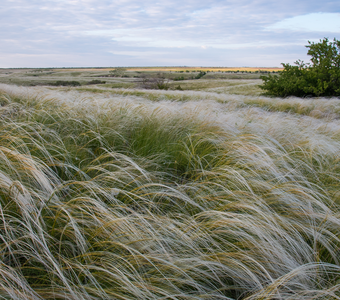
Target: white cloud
x,y
163,38
131,32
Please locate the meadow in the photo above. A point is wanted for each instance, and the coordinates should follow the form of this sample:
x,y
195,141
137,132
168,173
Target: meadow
x,y
113,191
131,77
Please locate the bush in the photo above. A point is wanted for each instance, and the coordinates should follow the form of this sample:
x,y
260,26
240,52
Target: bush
x,y
117,72
96,81
200,75
66,83
156,83
321,77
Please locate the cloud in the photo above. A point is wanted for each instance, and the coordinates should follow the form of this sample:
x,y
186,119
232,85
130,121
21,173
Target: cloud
x,y
216,32
161,38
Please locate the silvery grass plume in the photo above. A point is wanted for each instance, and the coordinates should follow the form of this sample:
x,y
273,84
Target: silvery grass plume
x,y
110,196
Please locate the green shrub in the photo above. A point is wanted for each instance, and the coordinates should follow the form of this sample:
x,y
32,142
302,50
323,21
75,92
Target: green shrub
x,y
96,81
155,83
67,83
321,77
200,74
117,72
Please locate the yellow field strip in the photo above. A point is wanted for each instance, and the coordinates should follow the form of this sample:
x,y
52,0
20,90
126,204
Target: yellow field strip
x,y
211,69
167,69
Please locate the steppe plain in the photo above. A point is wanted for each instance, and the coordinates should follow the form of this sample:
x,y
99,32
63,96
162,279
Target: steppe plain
x,y
199,189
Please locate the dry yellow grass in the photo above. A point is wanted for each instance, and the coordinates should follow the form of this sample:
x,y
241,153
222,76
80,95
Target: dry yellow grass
x,y
211,69
167,69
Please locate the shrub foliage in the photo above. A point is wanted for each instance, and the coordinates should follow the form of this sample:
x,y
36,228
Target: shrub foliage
x,y
67,83
320,77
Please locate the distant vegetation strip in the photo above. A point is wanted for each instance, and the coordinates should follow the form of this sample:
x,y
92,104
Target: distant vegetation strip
x,y
158,69
204,69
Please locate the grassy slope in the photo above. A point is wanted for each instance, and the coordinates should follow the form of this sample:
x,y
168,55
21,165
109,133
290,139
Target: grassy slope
x,y
134,194
131,79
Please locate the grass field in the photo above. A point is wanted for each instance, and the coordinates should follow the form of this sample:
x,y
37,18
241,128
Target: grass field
x,y
132,77
215,69
210,192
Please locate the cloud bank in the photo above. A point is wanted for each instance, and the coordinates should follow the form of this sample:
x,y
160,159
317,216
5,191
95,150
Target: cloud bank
x,y
71,33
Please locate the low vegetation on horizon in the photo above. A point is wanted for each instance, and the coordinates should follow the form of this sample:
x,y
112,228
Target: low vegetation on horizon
x,y
152,78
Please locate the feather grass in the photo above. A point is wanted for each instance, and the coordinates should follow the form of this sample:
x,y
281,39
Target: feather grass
x,y
111,197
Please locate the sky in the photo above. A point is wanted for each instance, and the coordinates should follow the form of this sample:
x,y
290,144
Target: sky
x,y
126,33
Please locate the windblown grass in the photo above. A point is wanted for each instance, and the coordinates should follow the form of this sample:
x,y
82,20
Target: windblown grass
x,y
322,108
122,197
